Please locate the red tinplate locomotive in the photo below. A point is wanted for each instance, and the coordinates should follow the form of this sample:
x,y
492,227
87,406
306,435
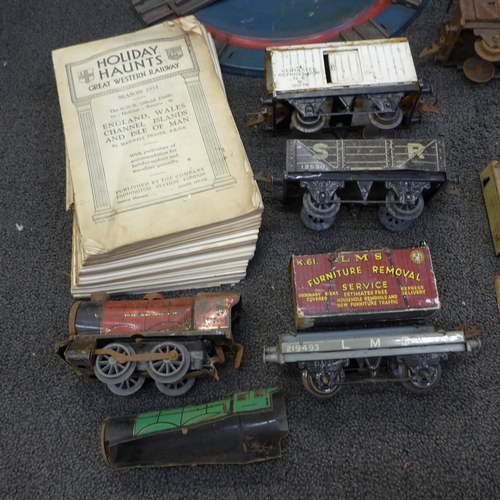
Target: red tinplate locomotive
x,y
173,341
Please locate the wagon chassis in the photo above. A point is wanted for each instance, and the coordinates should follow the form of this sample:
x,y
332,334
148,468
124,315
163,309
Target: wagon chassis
x,y
412,355
327,174
405,195
384,110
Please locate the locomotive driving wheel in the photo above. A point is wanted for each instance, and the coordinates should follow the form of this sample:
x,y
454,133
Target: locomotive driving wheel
x,y
168,371
107,368
129,386
420,379
176,388
323,384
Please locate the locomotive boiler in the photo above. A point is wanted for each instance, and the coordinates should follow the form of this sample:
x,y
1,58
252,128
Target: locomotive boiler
x,y
246,427
171,341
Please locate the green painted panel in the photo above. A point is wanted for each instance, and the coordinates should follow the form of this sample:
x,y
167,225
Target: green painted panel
x,y
196,414
164,420
148,423
156,421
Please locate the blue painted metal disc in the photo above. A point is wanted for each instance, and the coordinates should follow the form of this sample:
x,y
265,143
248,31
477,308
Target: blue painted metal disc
x,y
249,26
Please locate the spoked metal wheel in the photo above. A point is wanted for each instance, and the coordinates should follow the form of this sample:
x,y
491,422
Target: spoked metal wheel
x,y
108,370
314,222
391,222
401,211
176,388
307,125
420,379
129,386
323,385
321,210
171,370
386,120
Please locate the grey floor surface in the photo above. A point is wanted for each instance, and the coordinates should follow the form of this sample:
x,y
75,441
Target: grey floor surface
x,y
372,441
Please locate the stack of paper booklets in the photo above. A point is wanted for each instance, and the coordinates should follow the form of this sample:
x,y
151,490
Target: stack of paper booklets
x,y
162,190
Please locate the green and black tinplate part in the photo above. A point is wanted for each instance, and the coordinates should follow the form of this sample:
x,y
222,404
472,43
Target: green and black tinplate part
x,y
246,427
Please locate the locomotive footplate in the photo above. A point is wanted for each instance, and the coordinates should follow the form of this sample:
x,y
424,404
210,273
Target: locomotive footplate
x,y
411,355
400,176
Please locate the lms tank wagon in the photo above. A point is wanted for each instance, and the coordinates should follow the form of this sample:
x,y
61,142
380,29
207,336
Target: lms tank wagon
x,y
172,341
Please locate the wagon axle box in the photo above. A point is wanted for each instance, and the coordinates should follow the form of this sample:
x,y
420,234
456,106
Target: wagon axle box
x,y
347,287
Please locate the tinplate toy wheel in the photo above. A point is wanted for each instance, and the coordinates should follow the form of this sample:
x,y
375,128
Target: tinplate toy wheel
x,y
321,210
420,380
487,52
371,131
323,385
108,370
129,386
391,222
478,70
315,223
176,388
307,125
168,371
386,120
401,211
